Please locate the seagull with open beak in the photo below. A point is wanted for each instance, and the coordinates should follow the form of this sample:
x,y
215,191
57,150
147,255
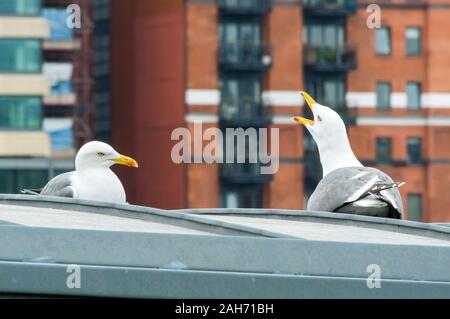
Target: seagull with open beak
x,y
346,186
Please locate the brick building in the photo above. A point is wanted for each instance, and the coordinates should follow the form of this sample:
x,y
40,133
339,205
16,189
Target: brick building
x,y
242,63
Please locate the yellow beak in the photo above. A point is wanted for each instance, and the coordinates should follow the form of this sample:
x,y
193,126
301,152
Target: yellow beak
x,y
310,101
125,160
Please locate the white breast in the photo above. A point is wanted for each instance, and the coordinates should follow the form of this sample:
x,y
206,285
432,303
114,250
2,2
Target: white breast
x,y
99,184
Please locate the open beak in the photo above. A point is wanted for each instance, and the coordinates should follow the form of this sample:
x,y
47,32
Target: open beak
x,y
310,101
125,160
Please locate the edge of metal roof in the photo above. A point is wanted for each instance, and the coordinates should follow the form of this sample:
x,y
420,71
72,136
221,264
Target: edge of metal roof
x,y
133,282
169,216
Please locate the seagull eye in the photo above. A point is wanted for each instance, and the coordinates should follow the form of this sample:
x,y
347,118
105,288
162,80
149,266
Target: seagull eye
x,y
319,118
101,154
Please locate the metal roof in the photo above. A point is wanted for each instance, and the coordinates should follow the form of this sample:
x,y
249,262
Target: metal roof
x,y
134,251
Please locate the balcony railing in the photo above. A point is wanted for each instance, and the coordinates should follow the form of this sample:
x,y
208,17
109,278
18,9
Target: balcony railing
x,y
246,115
330,7
329,59
254,7
243,173
245,57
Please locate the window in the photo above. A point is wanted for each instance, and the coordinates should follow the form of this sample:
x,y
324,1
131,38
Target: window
x,y
242,197
241,96
413,41
414,202
413,95
20,112
240,41
20,55
324,35
15,180
20,7
329,90
383,95
414,146
383,41
383,151
239,32
334,93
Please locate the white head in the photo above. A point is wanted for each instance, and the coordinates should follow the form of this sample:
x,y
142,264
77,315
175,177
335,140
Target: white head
x,y
329,132
100,155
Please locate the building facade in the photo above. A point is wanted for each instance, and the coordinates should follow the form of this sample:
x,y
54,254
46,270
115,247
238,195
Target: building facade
x,y
242,63
44,76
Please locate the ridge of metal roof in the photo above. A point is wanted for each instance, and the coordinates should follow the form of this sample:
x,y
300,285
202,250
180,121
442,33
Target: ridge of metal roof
x,y
438,227
440,231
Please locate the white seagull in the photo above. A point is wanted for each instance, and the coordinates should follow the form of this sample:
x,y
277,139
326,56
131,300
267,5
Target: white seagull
x,y
92,178
346,186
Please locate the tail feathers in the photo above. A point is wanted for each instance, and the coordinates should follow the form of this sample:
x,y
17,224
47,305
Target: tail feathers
x,y
31,191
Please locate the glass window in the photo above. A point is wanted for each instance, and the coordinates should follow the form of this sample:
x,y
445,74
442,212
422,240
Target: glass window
x,y
383,95
31,179
328,90
413,95
7,186
383,41
20,112
20,7
414,146
329,36
235,32
17,55
414,202
334,93
383,151
413,41
15,180
242,197
241,96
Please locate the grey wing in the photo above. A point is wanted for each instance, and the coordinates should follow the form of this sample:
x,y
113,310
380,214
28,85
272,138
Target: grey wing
x,y
346,185
60,185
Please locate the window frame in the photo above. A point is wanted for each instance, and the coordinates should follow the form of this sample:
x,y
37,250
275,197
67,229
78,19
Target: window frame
x,y
377,153
41,112
256,191
381,54
41,57
420,197
389,105
21,14
420,41
408,105
408,152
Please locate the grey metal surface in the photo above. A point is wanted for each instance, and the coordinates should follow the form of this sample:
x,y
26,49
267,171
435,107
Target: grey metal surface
x,y
388,224
42,279
222,253
135,212
133,251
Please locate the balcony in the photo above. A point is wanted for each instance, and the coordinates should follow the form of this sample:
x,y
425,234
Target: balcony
x,y
243,173
330,8
324,59
245,7
245,115
245,57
